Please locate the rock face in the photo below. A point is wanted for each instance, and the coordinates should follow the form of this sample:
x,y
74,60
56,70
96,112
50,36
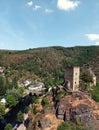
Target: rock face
x,y
76,106
48,120
45,123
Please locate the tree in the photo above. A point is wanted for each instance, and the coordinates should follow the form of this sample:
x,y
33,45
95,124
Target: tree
x,y
65,126
2,87
34,110
2,111
16,93
70,126
86,77
95,92
35,99
8,127
8,85
1,81
14,82
45,102
20,117
11,101
48,82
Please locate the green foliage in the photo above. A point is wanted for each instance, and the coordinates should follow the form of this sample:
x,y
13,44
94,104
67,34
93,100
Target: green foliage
x,y
14,82
20,92
2,87
59,94
11,101
34,110
35,99
95,93
86,77
86,80
48,82
85,86
8,85
20,117
70,126
16,93
57,97
2,111
66,126
8,127
45,102
1,81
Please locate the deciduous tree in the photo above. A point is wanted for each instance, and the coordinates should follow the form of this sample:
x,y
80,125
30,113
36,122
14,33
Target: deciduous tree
x,y
11,101
20,117
2,111
8,127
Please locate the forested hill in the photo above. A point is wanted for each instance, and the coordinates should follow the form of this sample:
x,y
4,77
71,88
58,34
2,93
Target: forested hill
x,y
48,62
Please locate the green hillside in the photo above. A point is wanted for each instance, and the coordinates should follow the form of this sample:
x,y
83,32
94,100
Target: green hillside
x,y
43,63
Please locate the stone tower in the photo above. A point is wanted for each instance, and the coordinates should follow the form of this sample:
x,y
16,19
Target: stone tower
x,y
72,75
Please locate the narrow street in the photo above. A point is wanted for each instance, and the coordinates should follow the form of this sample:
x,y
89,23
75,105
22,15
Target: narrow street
x,y
22,125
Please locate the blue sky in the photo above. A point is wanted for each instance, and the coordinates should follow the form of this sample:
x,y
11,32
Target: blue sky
x,y
28,24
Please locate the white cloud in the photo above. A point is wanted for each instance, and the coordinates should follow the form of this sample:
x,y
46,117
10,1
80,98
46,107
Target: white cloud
x,y
48,11
67,4
36,7
97,43
93,37
30,3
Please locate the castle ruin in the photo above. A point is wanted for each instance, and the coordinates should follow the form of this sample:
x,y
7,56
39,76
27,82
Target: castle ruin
x,y
72,75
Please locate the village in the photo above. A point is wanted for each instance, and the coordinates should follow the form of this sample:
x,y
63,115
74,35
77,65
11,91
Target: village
x,y
65,102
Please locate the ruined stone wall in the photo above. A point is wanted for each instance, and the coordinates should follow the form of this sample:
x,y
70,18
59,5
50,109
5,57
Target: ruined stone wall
x,y
72,78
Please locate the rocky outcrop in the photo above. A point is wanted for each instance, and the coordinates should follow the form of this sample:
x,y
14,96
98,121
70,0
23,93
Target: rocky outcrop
x,y
48,120
78,105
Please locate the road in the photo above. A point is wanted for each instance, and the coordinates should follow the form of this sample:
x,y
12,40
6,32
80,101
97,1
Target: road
x,y
21,126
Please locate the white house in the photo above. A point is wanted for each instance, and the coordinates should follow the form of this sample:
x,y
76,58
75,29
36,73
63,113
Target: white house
x,y
1,69
27,82
36,87
3,101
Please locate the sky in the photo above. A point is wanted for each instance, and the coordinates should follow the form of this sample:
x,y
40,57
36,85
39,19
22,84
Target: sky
x,y
26,24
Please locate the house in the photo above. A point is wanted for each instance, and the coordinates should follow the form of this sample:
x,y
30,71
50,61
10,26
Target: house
x,y
36,87
3,101
20,84
25,83
1,69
